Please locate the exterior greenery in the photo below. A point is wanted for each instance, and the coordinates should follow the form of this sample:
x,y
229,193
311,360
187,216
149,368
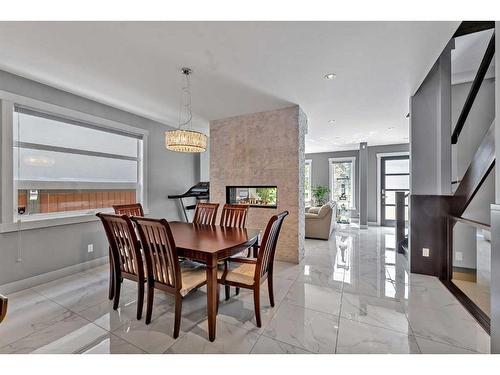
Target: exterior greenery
x,y
268,195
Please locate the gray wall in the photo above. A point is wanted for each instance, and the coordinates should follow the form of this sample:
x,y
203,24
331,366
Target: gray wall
x,y
49,249
320,171
465,242
430,131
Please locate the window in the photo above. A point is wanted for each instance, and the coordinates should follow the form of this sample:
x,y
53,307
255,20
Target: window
x,y
308,182
65,167
342,176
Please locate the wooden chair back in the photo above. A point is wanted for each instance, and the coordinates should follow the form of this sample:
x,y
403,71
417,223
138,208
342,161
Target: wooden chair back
x,y
205,213
134,209
160,252
267,249
234,215
3,307
124,244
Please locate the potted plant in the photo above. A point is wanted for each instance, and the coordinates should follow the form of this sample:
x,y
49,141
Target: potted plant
x,y
320,194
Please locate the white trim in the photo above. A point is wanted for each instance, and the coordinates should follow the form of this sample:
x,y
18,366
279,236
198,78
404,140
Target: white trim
x,y
79,185
45,221
7,163
71,114
353,178
381,155
309,161
30,282
7,189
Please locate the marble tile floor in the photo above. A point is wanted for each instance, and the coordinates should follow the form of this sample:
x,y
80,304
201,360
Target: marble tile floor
x,y
351,294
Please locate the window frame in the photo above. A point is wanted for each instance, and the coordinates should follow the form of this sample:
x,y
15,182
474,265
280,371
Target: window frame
x,y
8,189
308,162
332,161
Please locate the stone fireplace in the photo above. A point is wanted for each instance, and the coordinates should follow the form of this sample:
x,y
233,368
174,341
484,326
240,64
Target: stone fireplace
x,y
263,151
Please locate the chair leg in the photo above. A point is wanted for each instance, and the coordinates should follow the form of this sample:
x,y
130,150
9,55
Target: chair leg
x,y
271,291
237,290
178,310
140,299
255,251
111,293
116,296
149,307
256,302
228,291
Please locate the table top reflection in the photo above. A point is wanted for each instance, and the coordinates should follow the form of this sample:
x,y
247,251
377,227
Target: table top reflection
x,y
210,238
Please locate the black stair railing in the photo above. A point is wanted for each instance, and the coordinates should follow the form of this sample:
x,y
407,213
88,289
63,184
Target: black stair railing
x,y
476,85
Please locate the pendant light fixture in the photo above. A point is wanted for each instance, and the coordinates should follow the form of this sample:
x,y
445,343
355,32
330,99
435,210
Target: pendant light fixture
x,y
184,139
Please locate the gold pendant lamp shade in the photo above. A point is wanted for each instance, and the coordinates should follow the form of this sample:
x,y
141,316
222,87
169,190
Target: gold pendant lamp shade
x,y
184,139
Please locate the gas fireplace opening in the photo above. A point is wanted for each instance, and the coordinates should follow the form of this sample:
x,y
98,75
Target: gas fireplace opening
x,y
254,196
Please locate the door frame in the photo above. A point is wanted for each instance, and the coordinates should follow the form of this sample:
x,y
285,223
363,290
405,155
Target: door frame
x,y
379,178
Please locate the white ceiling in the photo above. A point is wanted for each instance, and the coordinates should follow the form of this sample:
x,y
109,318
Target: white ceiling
x,y
239,68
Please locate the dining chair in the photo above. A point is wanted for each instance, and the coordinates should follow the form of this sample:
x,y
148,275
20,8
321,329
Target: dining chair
x,y
205,213
253,272
164,270
134,209
126,257
234,215
3,307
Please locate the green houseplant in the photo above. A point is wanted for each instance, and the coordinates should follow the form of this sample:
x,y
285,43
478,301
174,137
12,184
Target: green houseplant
x,y
320,194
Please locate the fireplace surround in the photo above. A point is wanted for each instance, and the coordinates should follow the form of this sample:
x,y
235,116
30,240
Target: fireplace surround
x,y
254,196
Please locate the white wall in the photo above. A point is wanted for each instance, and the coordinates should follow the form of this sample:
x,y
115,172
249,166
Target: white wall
x,y
50,249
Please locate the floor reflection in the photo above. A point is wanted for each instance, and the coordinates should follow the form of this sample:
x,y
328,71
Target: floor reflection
x,y
351,294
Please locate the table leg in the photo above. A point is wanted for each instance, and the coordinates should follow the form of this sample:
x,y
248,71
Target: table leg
x,y
212,298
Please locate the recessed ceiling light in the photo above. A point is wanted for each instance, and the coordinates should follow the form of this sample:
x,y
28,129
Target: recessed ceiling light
x,y
331,121
330,76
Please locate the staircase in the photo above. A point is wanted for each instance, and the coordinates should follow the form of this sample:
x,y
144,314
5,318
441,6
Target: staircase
x,y
484,158
481,165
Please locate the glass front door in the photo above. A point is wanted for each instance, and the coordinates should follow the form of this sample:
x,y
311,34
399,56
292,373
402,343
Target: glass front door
x,y
395,176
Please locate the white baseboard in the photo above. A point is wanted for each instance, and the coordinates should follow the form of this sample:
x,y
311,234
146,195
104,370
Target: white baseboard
x,y
30,282
373,223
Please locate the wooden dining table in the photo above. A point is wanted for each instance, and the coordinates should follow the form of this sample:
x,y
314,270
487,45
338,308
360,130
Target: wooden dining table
x,y
210,244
